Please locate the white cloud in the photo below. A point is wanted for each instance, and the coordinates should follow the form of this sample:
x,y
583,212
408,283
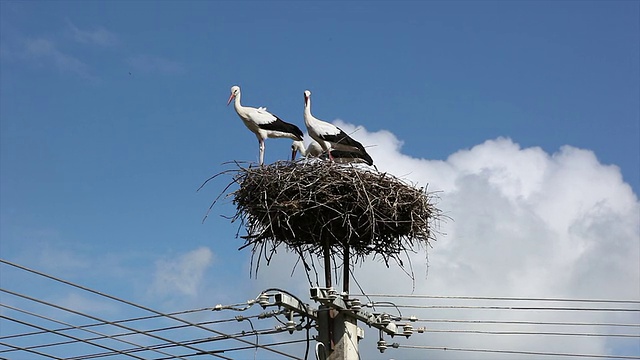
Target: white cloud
x,y
46,50
526,223
53,257
154,64
99,36
182,275
521,213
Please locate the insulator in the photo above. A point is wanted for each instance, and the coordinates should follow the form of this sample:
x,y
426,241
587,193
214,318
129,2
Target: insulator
x,y
356,305
217,307
332,294
407,330
291,326
413,318
263,300
382,345
385,319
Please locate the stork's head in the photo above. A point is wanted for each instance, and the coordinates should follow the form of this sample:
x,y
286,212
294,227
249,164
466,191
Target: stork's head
x,y
296,146
235,90
307,96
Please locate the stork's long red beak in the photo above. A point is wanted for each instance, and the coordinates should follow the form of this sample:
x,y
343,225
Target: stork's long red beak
x,y
230,98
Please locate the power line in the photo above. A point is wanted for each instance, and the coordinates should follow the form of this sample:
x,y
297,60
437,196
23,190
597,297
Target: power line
x,y
88,341
83,327
498,298
218,352
139,307
81,314
175,327
70,337
424,347
195,351
222,336
271,344
167,344
19,348
182,344
519,322
483,307
530,333
103,323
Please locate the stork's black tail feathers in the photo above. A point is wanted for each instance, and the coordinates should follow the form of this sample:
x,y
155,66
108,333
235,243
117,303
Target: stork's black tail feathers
x,y
361,155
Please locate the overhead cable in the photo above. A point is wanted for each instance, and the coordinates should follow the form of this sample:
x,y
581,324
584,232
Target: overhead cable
x,y
136,306
488,307
540,353
500,298
87,341
519,322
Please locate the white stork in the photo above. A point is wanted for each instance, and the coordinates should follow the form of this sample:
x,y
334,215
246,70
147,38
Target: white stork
x,y
330,137
263,123
314,150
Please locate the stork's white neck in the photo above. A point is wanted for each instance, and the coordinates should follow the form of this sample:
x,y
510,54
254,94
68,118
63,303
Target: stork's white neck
x,y
307,109
299,146
241,110
236,102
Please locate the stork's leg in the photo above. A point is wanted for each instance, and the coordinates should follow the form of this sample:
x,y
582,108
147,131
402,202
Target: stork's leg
x,y
327,150
261,152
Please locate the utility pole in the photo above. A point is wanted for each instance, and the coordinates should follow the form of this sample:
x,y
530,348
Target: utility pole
x,y
344,333
338,331
338,315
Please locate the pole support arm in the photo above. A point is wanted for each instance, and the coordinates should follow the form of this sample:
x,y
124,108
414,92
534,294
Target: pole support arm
x,y
330,298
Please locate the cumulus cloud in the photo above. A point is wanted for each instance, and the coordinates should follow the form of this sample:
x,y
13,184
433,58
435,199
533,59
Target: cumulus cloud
x,y
182,275
525,223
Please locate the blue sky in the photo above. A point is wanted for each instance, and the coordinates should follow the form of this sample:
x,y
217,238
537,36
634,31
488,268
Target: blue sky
x,y
113,113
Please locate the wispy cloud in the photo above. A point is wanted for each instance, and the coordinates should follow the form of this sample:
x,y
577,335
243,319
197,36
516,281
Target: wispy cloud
x,y
99,36
154,64
87,304
183,274
46,51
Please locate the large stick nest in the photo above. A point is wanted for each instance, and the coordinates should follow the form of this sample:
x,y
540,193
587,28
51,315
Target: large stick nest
x,y
309,204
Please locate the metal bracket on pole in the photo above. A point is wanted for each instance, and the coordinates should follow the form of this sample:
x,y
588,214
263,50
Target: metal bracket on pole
x,y
328,298
290,303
